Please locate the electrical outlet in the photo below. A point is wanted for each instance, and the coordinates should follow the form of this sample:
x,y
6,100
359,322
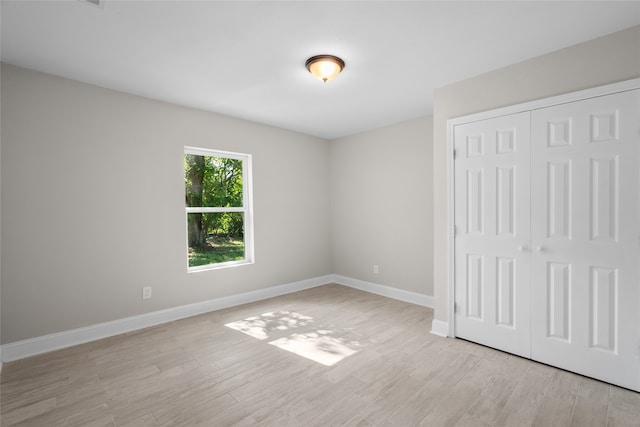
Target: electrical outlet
x,y
376,269
146,292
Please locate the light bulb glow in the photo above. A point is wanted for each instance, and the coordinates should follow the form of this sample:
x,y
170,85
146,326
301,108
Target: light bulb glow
x,y
324,67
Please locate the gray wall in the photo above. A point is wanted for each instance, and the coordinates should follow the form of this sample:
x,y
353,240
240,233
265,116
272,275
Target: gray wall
x,y
382,206
608,59
93,204
0,223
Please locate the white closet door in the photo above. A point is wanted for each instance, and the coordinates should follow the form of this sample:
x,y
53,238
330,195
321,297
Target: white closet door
x,y
492,219
585,237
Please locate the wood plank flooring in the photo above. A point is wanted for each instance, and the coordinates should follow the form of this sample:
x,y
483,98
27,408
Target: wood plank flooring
x,y
199,372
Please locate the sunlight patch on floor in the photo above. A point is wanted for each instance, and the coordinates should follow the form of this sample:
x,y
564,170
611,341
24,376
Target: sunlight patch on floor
x,y
318,346
263,325
322,344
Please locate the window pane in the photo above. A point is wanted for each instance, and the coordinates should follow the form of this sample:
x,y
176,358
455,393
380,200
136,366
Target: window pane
x,y
212,181
215,237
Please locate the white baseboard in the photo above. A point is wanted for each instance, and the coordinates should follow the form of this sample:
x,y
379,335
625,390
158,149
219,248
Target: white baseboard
x,y
33,346
440,328
385,291
30,347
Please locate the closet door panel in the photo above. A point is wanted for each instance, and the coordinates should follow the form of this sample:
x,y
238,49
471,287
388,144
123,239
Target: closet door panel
x,y
491,196
585,237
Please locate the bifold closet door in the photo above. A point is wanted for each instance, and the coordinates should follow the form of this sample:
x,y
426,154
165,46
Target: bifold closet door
x,y
585,230
492,208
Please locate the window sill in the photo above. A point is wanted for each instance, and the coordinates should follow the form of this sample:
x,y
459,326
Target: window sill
x,y
218,266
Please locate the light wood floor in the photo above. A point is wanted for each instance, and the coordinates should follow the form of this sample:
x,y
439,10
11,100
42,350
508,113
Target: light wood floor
x,y
197,371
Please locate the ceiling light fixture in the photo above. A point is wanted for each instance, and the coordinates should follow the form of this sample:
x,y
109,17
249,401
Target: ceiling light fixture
x,y
324,67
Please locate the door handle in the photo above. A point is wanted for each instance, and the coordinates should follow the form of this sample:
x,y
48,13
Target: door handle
x,y
523,248
541,248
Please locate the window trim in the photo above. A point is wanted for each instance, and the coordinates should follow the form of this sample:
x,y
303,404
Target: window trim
x,y
246,208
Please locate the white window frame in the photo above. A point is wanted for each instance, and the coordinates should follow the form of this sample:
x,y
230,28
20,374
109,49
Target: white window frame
x,y
246,209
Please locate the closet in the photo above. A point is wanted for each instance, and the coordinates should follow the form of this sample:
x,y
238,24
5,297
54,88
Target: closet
x,y
546,240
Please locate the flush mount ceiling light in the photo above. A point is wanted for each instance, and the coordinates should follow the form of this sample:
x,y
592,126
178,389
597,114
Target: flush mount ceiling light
x,y
324,67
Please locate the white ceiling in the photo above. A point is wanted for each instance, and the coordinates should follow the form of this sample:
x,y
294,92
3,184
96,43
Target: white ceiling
x,y
246,59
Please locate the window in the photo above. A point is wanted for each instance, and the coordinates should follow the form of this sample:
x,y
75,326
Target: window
x,y
218,208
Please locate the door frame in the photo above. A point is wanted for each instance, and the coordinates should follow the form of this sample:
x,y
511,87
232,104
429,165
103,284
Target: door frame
x,y
594,92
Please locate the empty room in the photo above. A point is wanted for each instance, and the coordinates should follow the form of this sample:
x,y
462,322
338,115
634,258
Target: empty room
x,y
319,213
